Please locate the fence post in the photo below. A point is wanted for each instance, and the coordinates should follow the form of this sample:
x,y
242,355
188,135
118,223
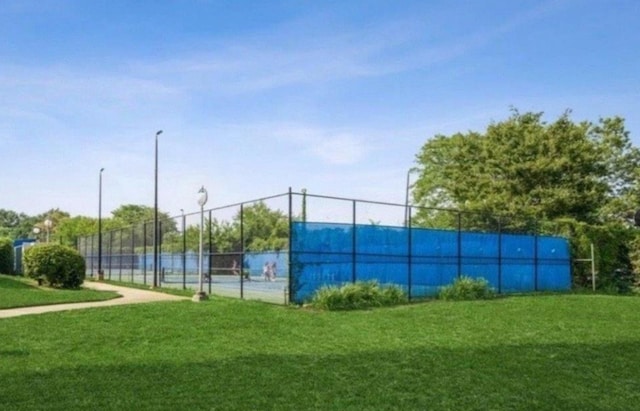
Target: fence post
x,y
110,252
353,244
160,270
210,264
133,251
410,249
242,251
291,289
535,256
92,257
144,255
184,252
459,244
120,258
499,254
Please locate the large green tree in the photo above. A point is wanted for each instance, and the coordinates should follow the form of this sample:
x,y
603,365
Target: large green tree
x,y
262,229
69,229
525,166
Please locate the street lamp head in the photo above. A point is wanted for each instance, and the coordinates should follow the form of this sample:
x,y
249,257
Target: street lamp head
x,y
202,197
48,223
158,133
36,230
102,169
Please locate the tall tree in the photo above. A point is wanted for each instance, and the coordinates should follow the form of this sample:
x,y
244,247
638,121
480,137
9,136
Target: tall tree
x,y
264,228
528,167
69,229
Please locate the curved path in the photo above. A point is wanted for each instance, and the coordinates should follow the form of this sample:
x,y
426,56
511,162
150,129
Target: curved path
x,y
129,296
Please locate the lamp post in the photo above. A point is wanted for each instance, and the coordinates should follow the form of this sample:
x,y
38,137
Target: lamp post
x,y
47,225
155,217
406,199
202,200
100,274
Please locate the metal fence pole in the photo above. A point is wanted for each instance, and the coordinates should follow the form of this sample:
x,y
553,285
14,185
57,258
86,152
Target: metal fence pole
x,y
110,252
290,256
353,243
242,250
459,244
144,257
499,255
535,255
120,258
210,264
184,252
160,271
92,257
133,251
410,256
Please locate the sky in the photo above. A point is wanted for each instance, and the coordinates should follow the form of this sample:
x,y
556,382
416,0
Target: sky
x,y
254,97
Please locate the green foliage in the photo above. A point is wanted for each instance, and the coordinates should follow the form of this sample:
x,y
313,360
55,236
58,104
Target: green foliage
x,y
526,167
613,245
69,229
467,288
264,229
58,265
6,256
359,295
19,225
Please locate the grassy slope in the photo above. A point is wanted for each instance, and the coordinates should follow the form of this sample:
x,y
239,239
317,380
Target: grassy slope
x,y
20,292
551,352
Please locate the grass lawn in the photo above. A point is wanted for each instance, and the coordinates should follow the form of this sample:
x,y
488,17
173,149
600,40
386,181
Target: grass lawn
x,y
21,292
558,352
166,290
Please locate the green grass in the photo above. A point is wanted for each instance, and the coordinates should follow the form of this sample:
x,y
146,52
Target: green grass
x,y
167,290
21,292
559,352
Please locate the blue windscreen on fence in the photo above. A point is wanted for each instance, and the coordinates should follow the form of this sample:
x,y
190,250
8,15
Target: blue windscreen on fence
x,y
423,260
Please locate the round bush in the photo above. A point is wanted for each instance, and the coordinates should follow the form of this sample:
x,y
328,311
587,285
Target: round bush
x,y
6,256
360,295
467,288
58,265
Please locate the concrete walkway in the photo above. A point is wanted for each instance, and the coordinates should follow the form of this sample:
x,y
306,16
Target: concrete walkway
x,y
129,296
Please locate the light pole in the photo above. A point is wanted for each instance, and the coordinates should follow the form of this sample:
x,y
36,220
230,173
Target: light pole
x,y
100,275
155,218
406,199
202,200
47,225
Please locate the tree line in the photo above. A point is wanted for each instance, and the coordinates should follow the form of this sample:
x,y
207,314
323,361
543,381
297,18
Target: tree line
x,y
262,229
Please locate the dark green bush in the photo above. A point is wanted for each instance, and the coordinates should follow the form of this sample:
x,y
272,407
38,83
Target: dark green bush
x,y
467,288
58,265
6,256
358,295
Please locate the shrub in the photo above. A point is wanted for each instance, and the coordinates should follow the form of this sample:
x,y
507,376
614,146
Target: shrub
x,y
467,288
6,256
357,295
58,265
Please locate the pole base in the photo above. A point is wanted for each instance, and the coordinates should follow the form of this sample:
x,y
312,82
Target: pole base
x,y
199,296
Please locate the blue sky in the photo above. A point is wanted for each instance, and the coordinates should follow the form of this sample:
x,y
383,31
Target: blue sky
x,y
256,96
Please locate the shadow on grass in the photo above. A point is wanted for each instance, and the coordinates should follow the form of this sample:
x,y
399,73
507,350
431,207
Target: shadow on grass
x,y
562,377
14,283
